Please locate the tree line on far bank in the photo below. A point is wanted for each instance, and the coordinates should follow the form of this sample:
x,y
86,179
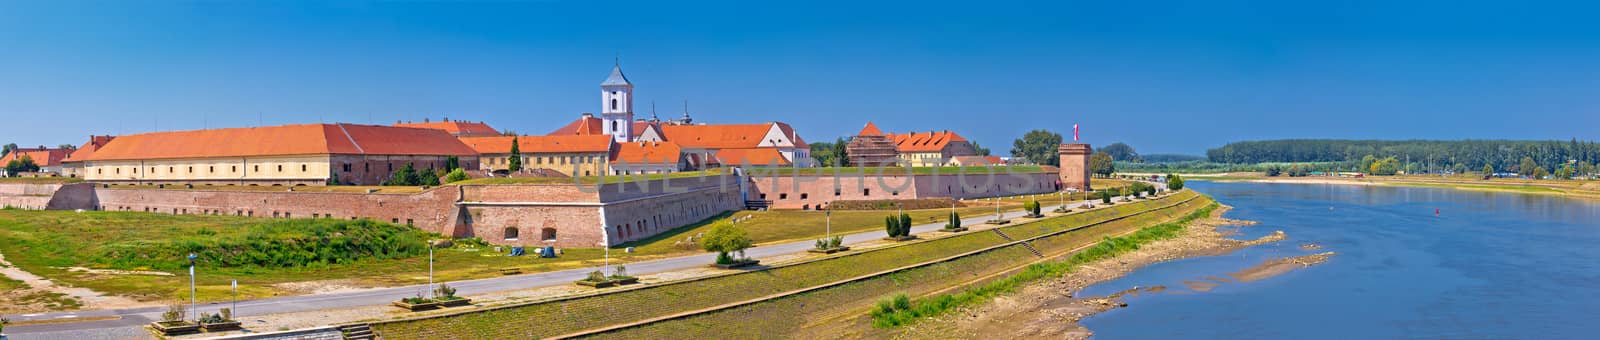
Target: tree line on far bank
x,y
1417,155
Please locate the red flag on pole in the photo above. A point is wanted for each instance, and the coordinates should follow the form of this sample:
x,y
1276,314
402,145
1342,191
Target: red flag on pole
x,y
1074,132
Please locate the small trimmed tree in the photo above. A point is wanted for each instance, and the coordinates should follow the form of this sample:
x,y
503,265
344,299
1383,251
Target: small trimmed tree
x,y
891,226
451,163
455,175
905,224
724,239
955,221
514,164
1105,196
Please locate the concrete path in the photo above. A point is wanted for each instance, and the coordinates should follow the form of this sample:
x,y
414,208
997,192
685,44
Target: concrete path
x,y
136,317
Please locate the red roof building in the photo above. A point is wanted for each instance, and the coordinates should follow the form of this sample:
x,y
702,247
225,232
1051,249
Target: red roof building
x,y
455,128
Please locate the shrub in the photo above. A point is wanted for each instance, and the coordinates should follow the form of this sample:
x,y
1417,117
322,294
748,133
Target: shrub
x,y
955,221
455,175
1174,182
292,243
227,314
596,276
836,242
175,312
445,291
724,239
621,272
905,224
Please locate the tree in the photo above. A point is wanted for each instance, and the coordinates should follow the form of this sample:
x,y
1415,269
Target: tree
x,y
1273,170
452,163
7,149
822,152
1386,167
514,164
1366,163
841,151
891,226
1565,172
1121,152
1101,164
955,221
1038,146
1105,196
724,239
17,166
905,224
13,167
1488,170
982,151
406,176
456,175
1540,173
1585,169
1527,166
1174,182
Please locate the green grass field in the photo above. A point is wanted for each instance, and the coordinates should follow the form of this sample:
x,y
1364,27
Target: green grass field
x,y
40,180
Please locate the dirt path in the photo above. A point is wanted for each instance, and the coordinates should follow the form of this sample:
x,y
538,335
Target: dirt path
x,y
84,296
1048,309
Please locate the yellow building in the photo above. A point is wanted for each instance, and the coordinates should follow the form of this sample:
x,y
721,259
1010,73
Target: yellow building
x,y
308,154
572,155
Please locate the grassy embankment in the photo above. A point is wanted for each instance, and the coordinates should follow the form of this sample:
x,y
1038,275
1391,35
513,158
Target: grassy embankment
x,y
48,243
901,310
842,311
551,318
1556,187
40,180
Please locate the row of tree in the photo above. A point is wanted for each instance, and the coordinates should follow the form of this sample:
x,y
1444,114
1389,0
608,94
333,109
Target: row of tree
x,y
1423,154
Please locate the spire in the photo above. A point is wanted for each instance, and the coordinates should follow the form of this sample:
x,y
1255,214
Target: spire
x,y
653,117
616,77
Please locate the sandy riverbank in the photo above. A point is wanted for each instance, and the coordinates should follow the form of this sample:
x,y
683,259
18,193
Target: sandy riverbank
x,y
1048,309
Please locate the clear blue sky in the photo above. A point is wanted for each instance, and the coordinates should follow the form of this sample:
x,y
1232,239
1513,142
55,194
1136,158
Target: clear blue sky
x,y
1174,77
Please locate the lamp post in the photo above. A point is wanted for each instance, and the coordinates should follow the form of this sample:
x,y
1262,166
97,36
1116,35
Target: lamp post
x,y
430,270
192,311
827,234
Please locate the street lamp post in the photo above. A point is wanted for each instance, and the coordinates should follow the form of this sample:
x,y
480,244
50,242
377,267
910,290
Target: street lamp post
x,y
192,309
430,270
828,217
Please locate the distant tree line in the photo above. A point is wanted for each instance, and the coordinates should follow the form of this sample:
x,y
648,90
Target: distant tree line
x,y
1504,155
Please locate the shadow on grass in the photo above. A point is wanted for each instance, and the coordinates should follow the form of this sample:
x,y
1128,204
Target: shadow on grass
x,y
668,236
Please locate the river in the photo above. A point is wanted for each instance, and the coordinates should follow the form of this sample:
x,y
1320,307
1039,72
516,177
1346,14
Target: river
x,y
1488,265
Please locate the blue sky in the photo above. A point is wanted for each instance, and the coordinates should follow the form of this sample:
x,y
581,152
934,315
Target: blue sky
x,y
1165,77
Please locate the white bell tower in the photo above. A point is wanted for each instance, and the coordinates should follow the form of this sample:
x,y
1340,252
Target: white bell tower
x,y
616,95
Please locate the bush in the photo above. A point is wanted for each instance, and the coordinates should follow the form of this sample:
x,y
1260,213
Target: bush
x,y
891,226
1174,182
620,273
724,239
955,221
455,175
905,224
175,312
596,276
445,290
292,243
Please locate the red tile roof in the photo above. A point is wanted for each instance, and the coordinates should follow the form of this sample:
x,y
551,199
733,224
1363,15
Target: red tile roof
x,y
540,144
924,141
870,130
87,149
40,156
647,153
457,128
284,140
589,125
751,156
726,136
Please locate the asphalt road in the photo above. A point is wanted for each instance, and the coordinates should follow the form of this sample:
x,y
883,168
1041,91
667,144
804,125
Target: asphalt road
x,y
136,317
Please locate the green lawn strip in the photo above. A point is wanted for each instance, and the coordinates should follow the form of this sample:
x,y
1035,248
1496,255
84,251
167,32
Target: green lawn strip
x,y
40,180
778,226
561,316
593,179
891,313
257,252
790,316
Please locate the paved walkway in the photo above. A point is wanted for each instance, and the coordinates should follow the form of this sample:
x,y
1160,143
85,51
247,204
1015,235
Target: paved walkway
x,y
137,317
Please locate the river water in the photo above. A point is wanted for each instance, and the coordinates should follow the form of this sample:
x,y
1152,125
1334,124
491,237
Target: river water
x,y
1489,265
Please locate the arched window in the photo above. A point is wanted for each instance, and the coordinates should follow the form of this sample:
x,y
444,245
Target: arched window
x,y
511,234
548,234
613,106
614,123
